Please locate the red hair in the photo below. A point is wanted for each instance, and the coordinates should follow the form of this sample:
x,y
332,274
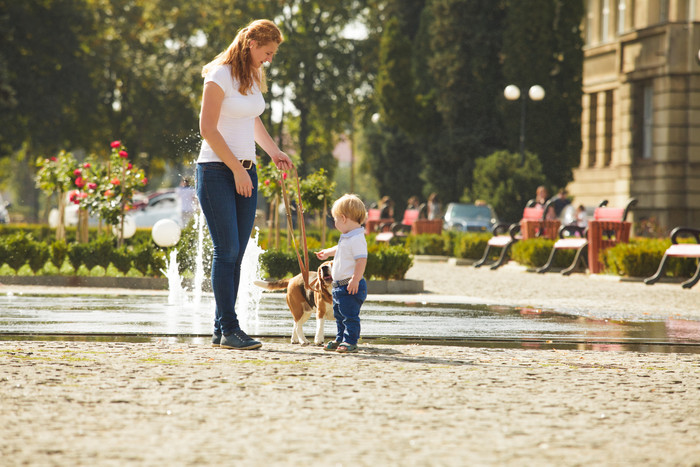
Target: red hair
x,y
237,55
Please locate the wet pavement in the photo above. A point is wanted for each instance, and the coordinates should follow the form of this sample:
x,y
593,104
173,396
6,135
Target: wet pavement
x,y
390,321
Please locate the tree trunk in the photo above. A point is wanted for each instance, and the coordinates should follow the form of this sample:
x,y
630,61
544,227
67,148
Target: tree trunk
x,y
83,226
61,227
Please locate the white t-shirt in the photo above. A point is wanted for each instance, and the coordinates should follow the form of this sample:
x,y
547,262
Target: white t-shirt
x,y
237,117
351,247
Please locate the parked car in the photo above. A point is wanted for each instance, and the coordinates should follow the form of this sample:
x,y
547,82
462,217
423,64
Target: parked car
x,y
164,205
469,217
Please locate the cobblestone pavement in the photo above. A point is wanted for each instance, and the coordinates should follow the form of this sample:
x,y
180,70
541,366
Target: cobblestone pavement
x,y
77,403
109,403
597,295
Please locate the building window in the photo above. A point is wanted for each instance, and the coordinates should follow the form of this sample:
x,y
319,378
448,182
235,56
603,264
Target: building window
x,y
663,11
604,20
608,136
589,22
648,122
592,128
621,11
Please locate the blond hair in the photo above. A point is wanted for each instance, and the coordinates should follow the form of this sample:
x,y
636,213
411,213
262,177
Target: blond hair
x,y
237,55
351,207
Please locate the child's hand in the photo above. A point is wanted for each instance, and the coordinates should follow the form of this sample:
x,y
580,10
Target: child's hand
x,y
353,286
323,254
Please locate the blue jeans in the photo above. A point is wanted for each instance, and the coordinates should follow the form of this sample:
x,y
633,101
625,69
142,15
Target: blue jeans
x,y
230,218
346,308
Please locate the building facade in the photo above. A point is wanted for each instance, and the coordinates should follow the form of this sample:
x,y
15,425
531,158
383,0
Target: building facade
x,y
641,109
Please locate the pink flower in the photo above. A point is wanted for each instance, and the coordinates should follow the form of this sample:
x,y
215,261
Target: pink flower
x,y
116,144
79,182
92,186
144,181
77,172
123,154
53,159
115,181
86,165
267,182
73,196
129,166
82,195
108,193
284,175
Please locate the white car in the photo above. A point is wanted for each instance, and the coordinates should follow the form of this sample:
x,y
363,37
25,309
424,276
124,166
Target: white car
x,y
166,205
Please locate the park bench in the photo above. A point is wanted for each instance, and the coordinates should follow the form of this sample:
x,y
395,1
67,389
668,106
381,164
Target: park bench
x,y
375,222
411,224
533,224
680,250
608,228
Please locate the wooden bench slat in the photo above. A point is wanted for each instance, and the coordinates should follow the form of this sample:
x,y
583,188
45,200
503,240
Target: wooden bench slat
x,y
690,250
570,243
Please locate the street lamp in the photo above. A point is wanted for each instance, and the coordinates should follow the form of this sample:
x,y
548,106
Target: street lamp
x,y
512,93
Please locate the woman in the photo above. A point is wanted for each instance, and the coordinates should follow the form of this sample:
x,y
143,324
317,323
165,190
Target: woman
x,y
227,181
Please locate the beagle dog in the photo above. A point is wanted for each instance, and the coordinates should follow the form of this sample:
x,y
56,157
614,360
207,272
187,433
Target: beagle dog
x,y
302,301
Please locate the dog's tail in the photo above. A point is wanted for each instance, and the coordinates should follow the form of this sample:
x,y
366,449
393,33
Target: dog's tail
x,y
273,285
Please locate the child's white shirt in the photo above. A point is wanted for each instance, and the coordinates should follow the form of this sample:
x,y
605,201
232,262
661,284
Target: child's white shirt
x,y
351,247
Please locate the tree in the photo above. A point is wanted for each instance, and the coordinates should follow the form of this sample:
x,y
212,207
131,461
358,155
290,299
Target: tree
x,y
542,44
317,65
394,160
507,185
467,78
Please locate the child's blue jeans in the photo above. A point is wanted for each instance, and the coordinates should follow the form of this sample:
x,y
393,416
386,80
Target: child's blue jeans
x,y
346,308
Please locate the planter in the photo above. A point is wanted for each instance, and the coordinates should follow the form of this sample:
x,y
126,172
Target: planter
x,y
161,283
157,283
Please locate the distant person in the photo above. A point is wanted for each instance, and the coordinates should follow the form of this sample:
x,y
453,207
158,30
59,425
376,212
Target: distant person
x,y
434,207
227,179
541,195
560,201
387,206
187,200
581,216
413,203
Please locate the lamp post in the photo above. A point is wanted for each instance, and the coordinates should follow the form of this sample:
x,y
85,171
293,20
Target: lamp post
x,y
512,93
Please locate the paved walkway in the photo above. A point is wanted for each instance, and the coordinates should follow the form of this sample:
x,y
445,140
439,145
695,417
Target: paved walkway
x,y
109,403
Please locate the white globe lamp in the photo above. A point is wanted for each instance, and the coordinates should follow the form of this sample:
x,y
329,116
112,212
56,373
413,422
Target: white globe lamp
x,y
512,92
166,233
129,228
536,93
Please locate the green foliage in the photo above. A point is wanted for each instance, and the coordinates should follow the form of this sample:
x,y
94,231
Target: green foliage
x,y
37,255
148,259
58,253
641,258
121,259
471,245
466,74
278,264
534,253
317,191
506,184
542,44
18,249
390,262
383,262
428,244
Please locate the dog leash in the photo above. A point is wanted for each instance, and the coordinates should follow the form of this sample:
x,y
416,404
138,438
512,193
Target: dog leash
x,y
303,264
